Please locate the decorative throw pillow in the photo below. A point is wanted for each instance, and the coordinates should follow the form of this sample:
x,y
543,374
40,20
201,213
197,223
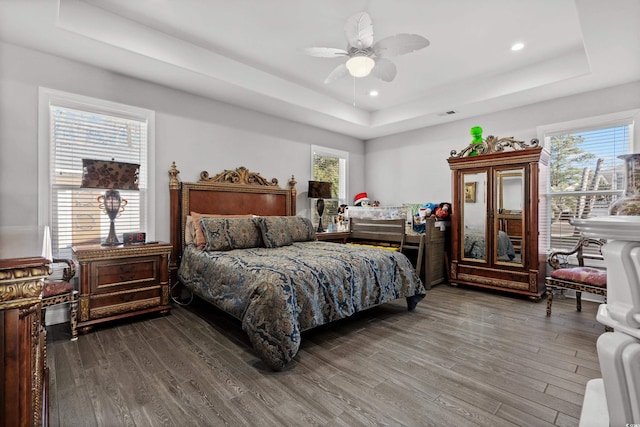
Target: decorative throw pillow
x,y
216,234
243,233
199,232
301,229
190,231
275,231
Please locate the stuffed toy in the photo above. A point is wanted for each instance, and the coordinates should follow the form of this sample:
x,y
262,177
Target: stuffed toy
x,y
361,199
476,133
429,209
341,212
443,211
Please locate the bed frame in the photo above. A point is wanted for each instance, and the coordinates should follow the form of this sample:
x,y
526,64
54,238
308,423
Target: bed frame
x,y
230,192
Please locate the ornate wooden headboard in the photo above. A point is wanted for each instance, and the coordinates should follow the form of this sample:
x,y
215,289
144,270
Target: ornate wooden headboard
x,y
230,192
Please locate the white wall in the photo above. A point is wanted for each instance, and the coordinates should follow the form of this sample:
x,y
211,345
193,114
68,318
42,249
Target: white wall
x,y
195,132
412,167
201,134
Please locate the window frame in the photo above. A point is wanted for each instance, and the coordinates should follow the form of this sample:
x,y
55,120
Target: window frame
x,y
343,181
48,97
623,118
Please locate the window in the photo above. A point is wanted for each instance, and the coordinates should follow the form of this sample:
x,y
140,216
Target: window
x,y
585,173
73,128
330,166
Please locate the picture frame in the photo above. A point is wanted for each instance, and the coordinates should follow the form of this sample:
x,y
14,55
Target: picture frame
x,y
469,192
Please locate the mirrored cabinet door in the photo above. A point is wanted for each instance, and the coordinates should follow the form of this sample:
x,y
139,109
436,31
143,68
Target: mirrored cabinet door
x,y
474,216
509,216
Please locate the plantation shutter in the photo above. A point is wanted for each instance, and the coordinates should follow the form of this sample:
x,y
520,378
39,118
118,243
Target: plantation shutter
x,y
76,134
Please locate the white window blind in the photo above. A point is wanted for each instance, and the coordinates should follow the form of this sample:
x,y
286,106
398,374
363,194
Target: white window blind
x,y
586,176
88,133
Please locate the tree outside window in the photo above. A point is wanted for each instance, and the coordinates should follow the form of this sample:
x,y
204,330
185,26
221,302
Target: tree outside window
x,y
329,165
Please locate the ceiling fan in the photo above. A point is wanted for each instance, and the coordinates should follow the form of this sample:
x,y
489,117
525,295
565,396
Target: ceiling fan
x,y
366,57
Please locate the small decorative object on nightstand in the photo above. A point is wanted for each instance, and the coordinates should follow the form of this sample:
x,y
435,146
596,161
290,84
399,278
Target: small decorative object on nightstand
x,y
122,281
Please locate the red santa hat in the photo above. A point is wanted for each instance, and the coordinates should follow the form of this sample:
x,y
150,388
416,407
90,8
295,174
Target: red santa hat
x,y
360,198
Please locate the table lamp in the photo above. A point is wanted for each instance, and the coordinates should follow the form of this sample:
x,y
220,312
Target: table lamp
x,y
319,190
111,176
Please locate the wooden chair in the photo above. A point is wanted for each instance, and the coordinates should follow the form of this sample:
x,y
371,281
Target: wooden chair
x,y
62,291
581,278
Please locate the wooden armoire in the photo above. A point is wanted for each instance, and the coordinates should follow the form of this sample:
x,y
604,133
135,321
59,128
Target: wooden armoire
x,y
499,225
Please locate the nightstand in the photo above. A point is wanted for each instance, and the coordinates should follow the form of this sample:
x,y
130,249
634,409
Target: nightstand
x,y
334,236
122,281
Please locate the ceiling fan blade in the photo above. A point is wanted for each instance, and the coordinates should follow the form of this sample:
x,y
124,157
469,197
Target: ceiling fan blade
x,y
384,70
359,30
325,52
337,73
399,45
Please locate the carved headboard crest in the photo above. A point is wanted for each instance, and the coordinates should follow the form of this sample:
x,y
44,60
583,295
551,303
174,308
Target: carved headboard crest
x,y
239,176
494,144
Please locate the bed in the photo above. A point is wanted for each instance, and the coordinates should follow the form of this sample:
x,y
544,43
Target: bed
x,y
262,264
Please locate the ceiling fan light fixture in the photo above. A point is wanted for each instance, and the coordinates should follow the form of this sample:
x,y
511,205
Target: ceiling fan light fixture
x,y
360,66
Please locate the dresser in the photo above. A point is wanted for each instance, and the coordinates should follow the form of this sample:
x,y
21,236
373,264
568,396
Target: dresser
x,y
434,240
122,281
23,369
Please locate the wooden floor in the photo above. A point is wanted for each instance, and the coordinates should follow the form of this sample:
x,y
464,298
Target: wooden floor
x,y
463,358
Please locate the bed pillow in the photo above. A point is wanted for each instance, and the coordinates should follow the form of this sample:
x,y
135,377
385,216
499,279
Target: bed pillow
x,y
243,233
301,229
275,230
189,231
199,232
215,231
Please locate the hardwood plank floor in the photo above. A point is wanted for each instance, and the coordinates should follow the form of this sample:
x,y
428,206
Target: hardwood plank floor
x,y
464,357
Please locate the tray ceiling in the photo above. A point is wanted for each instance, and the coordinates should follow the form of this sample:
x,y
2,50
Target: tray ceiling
x,y
248,52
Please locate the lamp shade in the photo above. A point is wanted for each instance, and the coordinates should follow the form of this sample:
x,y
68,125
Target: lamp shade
x,y
319,190
109,174
360,66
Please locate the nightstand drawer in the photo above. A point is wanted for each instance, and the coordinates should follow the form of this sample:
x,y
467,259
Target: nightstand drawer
x,y
110,304
117,274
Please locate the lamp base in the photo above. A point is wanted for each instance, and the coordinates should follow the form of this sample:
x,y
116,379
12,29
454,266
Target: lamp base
x,y
320,208
112,238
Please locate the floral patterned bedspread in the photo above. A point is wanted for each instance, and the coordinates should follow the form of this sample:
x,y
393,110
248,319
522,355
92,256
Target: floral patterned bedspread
x,y
279,292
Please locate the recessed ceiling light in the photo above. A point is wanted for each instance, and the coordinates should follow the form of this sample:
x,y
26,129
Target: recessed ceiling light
x,y
373,93
517,46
